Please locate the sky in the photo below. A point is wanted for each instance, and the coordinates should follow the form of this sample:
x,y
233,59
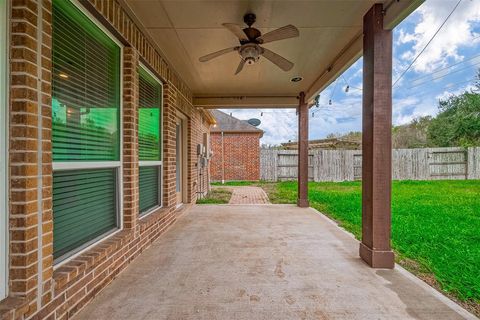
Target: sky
x,y
447,66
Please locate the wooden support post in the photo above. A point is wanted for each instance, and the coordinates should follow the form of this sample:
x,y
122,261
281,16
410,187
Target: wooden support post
x,y
302,200
377,141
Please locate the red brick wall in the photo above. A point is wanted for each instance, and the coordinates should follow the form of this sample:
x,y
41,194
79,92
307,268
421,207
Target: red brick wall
x,y
36,290
198,175
241,156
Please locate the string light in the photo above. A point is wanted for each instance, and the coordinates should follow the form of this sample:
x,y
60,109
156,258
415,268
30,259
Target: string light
x,y
333,92
261,114
317,101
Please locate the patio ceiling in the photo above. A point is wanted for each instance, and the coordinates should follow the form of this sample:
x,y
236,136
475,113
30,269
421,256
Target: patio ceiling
x,y
330,41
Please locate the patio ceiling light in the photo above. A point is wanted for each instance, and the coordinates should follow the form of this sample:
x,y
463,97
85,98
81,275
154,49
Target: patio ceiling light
x,y
296,79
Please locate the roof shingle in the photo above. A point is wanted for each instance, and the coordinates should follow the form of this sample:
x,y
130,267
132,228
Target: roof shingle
x,y
227,123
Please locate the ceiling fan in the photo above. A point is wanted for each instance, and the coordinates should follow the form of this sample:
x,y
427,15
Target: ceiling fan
x,y
250,40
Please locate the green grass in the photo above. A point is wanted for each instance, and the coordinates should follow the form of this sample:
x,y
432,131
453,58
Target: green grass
x,y
216,196
434,223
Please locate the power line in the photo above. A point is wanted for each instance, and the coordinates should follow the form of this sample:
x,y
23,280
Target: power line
x,y
441,77
447,67
428,43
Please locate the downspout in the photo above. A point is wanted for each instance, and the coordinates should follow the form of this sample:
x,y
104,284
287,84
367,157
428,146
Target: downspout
x,y
223,161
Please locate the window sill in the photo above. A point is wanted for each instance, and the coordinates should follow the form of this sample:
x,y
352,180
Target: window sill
x,y
13,308
84,263
153,217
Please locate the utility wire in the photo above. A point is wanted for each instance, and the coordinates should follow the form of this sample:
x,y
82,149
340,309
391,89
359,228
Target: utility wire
x,y
448,67
474,66
428,43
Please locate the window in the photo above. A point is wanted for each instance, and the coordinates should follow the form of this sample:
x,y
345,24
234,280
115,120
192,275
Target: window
x,y
85,131
3,150
149,141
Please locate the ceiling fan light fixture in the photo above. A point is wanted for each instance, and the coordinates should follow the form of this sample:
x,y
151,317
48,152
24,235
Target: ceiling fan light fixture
x,y
250,39
250,53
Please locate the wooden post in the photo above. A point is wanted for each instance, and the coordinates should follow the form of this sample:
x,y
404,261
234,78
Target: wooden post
x,y
377,141
302,200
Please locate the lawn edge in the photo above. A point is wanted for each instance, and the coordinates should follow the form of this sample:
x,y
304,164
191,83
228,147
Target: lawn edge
x,y
469,309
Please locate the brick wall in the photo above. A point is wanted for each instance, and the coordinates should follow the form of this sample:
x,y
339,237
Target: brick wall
x,y
30,167
241,156
36,290
198,177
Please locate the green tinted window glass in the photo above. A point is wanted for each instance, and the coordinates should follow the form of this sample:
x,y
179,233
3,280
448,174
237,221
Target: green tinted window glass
x,y
149,122
84,207
85,88
149,188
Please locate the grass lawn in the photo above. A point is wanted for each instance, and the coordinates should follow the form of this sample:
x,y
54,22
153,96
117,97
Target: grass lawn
x,y
435,227
216,196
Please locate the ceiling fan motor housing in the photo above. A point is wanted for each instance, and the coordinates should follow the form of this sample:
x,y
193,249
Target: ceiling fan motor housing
x,y
250,53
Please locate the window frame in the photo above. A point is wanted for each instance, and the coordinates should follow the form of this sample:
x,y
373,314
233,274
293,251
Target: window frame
x,y
4,134
117,165
153,163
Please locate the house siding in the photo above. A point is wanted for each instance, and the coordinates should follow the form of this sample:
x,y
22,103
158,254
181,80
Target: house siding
x,y
241,156
36,289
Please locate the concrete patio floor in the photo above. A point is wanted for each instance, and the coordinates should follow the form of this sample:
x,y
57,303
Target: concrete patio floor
x,y
262,262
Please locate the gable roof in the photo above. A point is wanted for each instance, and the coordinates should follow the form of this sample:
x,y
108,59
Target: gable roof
x,y
227,123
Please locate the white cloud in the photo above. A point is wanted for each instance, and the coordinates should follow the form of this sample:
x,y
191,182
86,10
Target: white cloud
x,y
448,93
456,33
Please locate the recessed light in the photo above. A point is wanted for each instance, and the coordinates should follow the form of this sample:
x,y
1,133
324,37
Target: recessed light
x,y
296,79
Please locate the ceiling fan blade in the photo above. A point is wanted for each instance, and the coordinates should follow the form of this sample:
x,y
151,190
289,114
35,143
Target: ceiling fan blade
x,y
278,60
240,66
236,30
216,54
289,31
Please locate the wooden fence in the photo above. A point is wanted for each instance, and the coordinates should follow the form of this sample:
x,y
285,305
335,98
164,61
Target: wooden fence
x,y
346,165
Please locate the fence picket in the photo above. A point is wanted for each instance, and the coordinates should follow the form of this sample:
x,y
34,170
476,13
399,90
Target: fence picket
x,y
346,165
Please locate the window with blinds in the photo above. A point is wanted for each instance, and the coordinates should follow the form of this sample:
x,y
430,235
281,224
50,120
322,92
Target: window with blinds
x,y
84,206
149,123
149,140
85,88
149,181
85,131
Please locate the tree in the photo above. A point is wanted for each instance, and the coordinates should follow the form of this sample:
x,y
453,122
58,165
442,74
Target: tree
x,y
458,123
412,135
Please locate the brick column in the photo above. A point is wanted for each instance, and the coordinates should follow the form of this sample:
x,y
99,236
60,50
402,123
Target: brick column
x,y
302,200
30,153
130,138
377,141
169,146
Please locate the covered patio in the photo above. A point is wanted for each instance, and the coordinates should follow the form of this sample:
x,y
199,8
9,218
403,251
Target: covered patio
x,y
319,41
139,133
263,262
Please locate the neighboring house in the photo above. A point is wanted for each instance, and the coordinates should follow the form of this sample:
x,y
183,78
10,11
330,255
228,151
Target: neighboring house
x,y
236,149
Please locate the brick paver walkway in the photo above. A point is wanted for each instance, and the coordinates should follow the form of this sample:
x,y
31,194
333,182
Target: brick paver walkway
x,y
248,195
